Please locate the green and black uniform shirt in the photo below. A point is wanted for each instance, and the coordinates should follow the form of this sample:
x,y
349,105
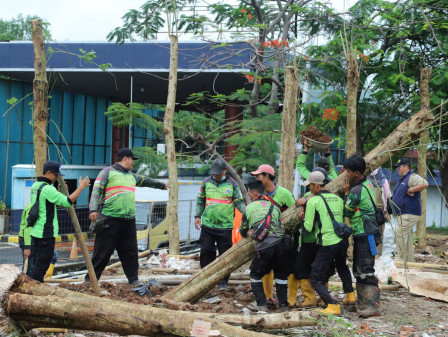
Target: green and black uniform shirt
x,y
216,203
304,172
25,231
282,197
359,208
255,212
317,216
307,236
47,225
113,192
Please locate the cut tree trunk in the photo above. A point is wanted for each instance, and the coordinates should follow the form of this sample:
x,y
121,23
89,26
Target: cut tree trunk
x,y
202,282
288,138
32,304
40,98
425,75
172,215
352,94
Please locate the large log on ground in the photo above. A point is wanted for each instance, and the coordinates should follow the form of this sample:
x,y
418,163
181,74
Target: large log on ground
x,y
203,281
31,304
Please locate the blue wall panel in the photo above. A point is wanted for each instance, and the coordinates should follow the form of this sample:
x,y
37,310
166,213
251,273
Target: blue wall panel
x,y
4,94
90,121
78,128
15,119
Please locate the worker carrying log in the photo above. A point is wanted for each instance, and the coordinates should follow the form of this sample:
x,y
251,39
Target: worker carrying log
x,y
218,196
112,212
283,199
263,219
322,211
360,210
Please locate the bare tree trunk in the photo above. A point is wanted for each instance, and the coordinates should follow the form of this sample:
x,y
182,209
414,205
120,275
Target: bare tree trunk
x,y
82,242
288,138
40,98
352,91
425,75
31,305
202,282
173,223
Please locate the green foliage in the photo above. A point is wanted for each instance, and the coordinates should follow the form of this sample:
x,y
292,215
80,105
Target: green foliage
x,y
2,206
132,113
19,28
150,161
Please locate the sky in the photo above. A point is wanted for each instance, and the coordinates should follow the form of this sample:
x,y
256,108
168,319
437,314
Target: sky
x,y
84,20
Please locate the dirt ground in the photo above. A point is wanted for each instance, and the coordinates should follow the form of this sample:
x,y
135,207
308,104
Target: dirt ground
x,y
312,133
403,314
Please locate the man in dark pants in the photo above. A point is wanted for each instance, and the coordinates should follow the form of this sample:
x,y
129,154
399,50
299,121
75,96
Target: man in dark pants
x,y
332,250
216,202
46,228
271,253
113,203
360,213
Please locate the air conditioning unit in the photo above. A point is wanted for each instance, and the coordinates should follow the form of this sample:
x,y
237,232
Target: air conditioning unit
x,y
161,148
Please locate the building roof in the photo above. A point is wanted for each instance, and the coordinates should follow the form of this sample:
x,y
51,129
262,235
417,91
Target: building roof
x,y
201,67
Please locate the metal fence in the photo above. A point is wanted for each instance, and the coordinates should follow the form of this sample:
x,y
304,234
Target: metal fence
x,y
152,213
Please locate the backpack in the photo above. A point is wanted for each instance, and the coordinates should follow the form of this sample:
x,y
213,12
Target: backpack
x,y
340,229
33,215
261,229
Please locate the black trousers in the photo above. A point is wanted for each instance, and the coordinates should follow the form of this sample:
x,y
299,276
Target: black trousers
x,y
305,257
210,239
327,258
272,258
42,251
364,261
119,234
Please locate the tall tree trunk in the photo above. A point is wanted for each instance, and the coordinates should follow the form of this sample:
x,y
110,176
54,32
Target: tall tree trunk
x,y
203,281
288,138
352,92
40,98
425,75
173,223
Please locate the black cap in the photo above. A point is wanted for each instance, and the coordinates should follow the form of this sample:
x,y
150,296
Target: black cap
x,y
217,166
324,171
403,161
125,152
323,162
52,166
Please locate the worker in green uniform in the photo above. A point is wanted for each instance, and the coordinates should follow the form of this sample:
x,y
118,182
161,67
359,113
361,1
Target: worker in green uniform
x,y
269,253
324,162
332,250
215,209
359,211
283,199
46,228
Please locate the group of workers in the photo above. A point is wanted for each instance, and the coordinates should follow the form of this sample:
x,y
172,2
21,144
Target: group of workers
x,y
309,254
306,256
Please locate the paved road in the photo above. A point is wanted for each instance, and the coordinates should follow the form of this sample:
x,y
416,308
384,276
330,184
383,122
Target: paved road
x,y
10,253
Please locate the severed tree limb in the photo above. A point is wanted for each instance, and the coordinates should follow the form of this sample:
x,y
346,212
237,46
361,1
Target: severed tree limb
x,y
32,304
202,282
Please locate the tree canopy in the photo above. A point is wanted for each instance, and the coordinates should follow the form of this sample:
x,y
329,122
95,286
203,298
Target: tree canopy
x,y
19,28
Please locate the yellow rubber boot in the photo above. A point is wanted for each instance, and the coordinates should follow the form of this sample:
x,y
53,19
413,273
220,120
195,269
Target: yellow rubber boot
x,y
49,272
268,284
308,293
331,309
350,299
293,288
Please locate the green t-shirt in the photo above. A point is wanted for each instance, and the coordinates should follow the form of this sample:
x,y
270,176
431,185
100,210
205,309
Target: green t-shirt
x,y
304,173
282,197
317,214
25,231
359,208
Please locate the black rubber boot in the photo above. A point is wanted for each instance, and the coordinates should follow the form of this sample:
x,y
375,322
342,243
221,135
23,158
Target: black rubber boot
x,y
368,300
257,289
282,295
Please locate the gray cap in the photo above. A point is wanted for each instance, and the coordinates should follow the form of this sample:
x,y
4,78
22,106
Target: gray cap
x,y
315,177
217,166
